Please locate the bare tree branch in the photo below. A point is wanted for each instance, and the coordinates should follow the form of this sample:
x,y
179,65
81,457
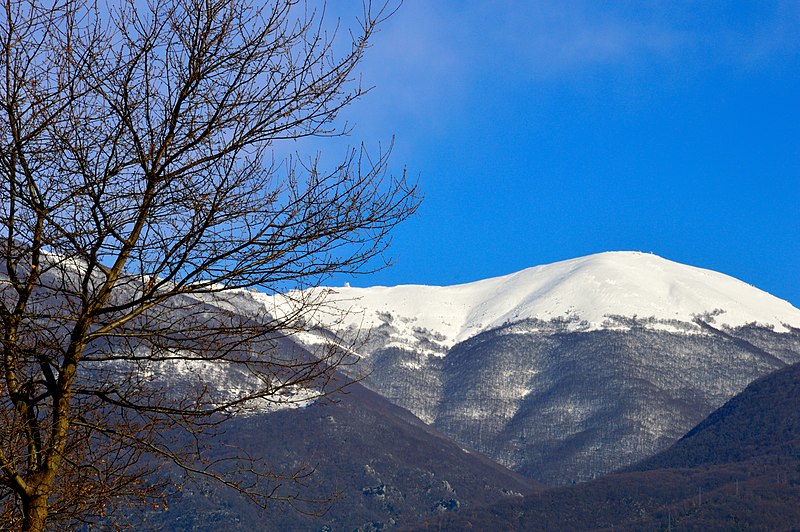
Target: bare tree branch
x,y
140,194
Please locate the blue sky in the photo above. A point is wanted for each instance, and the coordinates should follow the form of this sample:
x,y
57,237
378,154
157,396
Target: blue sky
x,y
543,131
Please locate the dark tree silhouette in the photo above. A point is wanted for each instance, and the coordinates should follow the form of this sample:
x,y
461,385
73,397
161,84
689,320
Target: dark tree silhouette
x,y
139,191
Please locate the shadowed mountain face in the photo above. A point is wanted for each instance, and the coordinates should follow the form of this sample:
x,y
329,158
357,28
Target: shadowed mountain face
x,y
560,405
739,469
764,420
383,465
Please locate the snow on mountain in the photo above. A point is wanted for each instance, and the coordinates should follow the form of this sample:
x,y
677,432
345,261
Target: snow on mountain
x,y
586,291
563,371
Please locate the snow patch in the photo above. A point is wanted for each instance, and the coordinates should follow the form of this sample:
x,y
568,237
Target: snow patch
x,y
226,383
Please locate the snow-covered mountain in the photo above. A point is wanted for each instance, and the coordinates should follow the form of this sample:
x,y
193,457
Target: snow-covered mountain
x,y
587,292
568,370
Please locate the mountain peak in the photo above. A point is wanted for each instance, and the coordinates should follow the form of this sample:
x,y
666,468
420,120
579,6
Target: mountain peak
x,y
588,293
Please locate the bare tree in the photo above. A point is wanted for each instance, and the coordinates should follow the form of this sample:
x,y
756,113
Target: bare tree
x,y
140,195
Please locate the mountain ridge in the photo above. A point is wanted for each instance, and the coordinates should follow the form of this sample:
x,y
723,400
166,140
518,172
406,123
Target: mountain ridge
x,y
586,292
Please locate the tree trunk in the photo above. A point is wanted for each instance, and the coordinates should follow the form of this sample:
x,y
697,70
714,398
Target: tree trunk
x,y
34,513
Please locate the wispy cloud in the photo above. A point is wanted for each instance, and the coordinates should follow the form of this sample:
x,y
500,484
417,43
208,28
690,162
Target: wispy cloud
x,y
430,52
556,38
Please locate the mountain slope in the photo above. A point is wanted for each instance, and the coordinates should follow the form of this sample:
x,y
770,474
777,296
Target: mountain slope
x,y
737,470
388,468
563,406
762,420
570,370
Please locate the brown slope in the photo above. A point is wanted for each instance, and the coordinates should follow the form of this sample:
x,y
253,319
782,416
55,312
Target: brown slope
x,y
389,468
